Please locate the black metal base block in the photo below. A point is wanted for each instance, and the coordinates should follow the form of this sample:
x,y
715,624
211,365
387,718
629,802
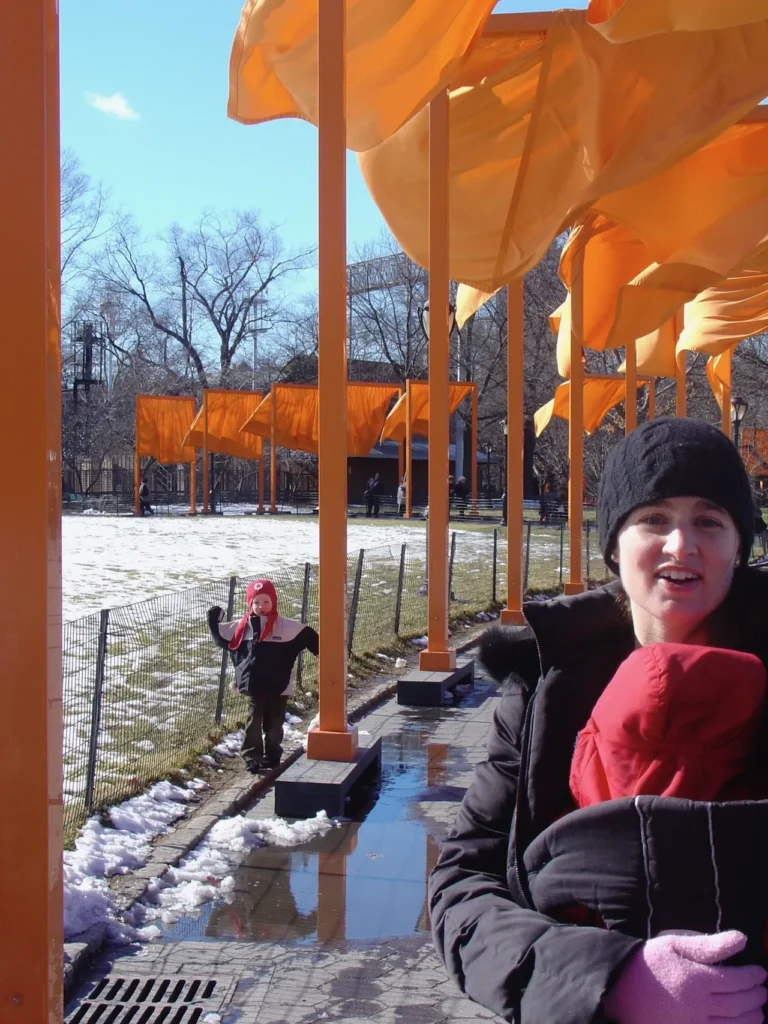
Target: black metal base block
x,y
427,689
311,786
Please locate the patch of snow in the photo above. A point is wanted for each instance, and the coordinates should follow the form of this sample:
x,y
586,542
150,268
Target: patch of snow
x,y
420,641
101,851
208,760
400,663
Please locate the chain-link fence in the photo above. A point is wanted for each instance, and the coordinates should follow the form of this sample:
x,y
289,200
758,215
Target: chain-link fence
x,y
146,690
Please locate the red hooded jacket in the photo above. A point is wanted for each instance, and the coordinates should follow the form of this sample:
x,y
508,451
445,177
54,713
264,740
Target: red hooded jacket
x,y
675,720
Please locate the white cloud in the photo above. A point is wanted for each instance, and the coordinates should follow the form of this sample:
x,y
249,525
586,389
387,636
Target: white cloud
x,y
116,105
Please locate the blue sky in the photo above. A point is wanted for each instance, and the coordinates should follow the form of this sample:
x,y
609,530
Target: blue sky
x,y
168,60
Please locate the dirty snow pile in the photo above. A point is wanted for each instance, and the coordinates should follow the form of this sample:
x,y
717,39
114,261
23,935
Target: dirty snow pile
x,y
102,851
205,874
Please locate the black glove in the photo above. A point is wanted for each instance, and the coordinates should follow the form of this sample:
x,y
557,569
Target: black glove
x,y
215,616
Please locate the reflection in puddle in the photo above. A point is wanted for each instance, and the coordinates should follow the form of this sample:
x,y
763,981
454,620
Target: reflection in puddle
x,y
364,880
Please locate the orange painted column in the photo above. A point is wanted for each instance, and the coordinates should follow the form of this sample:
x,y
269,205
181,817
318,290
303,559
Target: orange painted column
x,y
333,739
30,525
726,410
630,392
652,399
273,454
206,474
193,487
575,583
408,452
438,657
513,613
136,464
473,462
261,479
681,400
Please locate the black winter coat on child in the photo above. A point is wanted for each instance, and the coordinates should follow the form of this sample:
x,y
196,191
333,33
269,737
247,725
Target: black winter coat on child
x,y
537,905
264,666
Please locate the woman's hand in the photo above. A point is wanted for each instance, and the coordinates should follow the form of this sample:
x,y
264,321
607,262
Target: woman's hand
x,y
675,979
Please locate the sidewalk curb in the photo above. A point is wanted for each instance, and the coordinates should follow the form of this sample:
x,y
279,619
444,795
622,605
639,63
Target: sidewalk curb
x,y
80,951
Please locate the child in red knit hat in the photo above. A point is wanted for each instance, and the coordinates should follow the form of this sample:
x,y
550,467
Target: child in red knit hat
x,y
676,720
264,647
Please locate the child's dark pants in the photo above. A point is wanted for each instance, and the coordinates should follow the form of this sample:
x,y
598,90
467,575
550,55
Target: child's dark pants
x,y
267,717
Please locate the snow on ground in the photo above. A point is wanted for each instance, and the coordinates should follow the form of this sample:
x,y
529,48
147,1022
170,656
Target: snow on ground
x,y
114,560
104,850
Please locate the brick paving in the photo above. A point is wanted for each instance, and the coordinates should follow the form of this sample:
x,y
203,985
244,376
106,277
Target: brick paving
x,y
392,981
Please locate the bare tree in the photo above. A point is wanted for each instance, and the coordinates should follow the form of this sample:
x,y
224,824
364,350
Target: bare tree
x,y
84,222
202,294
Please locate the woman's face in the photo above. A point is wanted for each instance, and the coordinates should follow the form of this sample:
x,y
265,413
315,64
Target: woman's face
x,y
676,561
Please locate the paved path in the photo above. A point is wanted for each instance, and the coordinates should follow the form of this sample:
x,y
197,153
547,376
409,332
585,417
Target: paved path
x,y
306,980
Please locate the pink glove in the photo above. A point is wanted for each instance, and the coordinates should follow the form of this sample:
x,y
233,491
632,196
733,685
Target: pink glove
x,y
673,978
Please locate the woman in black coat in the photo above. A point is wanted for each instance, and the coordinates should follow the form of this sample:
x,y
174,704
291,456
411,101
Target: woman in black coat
x,y
547,914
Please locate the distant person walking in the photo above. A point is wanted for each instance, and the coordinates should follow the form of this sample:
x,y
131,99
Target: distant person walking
x,y
144,505
373,497
460,492
401,498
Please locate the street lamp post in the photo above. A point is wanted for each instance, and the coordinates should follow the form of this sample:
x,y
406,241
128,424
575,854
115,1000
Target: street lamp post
x,y
738,412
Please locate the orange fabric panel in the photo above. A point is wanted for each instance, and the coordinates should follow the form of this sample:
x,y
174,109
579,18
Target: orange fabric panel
x,y
545,125
658,244
400,53
296,422
621,20
394,427
162,424
600,396
754,449
226,412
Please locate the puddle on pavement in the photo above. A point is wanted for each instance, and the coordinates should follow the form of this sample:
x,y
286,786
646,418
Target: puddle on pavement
x,y
364,880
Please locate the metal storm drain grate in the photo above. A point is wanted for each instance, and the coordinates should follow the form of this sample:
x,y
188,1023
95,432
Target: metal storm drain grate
x,y
148,1000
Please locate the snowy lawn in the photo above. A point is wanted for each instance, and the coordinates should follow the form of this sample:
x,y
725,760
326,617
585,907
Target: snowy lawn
x,y
116,560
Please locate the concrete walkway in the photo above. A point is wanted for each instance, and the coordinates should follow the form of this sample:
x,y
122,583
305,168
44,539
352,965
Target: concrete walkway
x,y
328,964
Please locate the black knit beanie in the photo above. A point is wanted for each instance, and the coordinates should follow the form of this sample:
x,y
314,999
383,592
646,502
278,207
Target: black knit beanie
x,y
673,458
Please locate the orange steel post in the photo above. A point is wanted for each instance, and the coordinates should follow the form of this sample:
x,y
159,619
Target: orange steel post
x,y
630,392
437,657
273,454
408,452
333,739
261,479
726,410
681,402
651,399
575,583
31,913
136,463
473,435
193,486
513,613
206,478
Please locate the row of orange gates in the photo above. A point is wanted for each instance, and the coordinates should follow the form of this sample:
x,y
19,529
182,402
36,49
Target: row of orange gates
x,y
171,429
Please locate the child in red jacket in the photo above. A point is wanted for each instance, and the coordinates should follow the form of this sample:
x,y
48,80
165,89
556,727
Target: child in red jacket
x,y
675,720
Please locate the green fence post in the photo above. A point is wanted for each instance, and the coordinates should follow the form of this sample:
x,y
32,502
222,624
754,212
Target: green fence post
x,y
399,598
355,600
225,653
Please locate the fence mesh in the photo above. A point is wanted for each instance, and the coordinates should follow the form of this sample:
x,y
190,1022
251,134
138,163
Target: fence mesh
x,y
145,689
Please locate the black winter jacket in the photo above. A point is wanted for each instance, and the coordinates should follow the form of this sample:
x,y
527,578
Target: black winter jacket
x,y
522,863
264,666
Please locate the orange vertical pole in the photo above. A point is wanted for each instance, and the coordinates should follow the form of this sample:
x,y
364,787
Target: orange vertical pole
x,y
30,652
193,486
513,613
726,409
333,739
437,657
575,583
473,463
652,398
408,452
206,472
261,479
136,463
681,402
630,385
273,454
